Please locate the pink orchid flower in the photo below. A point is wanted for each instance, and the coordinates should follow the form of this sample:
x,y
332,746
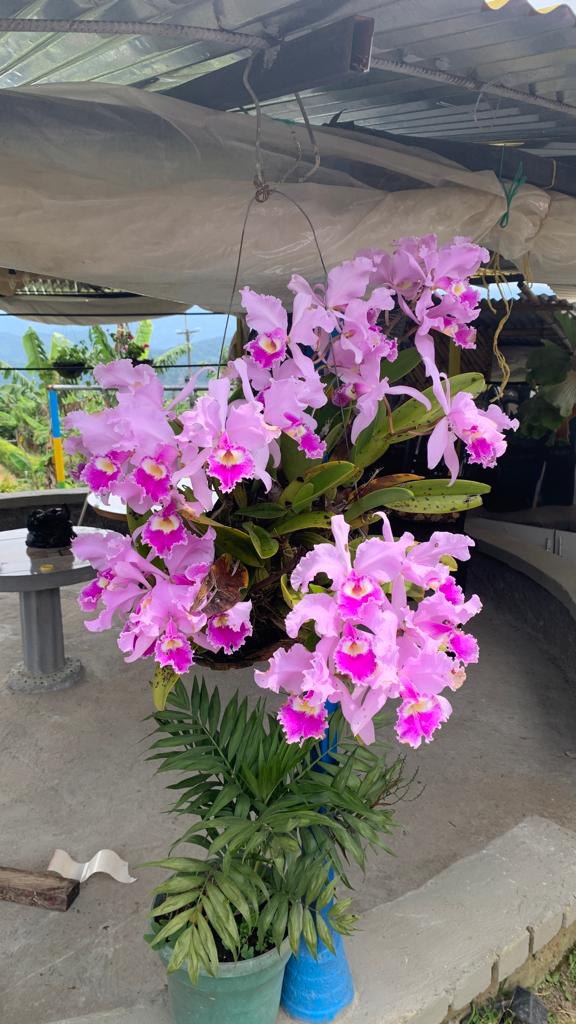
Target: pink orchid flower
x,y
173,650
164,530
372,645
103,470
420,717
266,315
228,630
303,717
153,474
480,431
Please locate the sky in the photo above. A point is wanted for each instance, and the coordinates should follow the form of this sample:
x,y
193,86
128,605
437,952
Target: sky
x,y
206,330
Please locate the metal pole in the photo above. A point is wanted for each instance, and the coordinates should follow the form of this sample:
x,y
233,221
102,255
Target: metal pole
x,y
56,437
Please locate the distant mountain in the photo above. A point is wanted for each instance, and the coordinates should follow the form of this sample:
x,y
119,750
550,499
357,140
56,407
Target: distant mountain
x,y
206,331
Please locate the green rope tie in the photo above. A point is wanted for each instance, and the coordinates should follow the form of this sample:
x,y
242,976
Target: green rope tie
x,y
511,190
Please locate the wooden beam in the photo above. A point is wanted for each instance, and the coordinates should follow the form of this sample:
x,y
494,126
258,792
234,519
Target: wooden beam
x,y
37,888
302,63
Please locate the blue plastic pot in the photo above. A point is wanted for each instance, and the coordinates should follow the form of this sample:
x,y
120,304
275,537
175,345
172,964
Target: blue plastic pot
x,y
245,992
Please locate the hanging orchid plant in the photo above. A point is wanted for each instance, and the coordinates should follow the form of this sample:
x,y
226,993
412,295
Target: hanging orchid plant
x,y
256,520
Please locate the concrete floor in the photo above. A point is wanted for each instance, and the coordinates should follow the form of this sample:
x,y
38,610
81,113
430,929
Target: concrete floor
x,y
74,776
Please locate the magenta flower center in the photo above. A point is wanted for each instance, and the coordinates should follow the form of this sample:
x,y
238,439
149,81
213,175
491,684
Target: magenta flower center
x,y
154,469
105,465
269,344
230,456
172,644
354,648
418,707
359,587
165,524
304,706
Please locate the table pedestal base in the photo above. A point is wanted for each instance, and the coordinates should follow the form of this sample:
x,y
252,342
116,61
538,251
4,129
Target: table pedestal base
x,y
22,680
44,666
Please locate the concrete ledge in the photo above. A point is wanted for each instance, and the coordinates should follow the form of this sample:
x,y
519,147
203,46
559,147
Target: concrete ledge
x,y
35,499
428,954
434,950
548,570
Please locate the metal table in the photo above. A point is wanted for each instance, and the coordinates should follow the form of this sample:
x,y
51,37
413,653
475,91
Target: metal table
x,y
37,579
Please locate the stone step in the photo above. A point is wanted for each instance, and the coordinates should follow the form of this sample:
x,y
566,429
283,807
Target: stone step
x,y
436,949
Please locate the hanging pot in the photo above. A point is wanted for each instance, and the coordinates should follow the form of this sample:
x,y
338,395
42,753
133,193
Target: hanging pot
x,y
69,371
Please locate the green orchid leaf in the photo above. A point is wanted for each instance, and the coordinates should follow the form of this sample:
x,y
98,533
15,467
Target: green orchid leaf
x,y
322,479
265,545
294,462
303,521
430,488
230,541
406,361
163,681
289,595
296,491
434,505
375,500
264,510
439,496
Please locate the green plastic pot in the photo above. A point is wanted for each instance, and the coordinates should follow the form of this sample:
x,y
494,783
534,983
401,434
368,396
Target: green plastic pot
x,y
245,992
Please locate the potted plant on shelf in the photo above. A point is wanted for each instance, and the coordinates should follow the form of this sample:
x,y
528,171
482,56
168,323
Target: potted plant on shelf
x,y
135,347
259,532
69,360
273,836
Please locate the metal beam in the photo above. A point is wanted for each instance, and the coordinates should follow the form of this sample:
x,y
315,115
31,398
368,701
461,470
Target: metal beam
x,y
302,63
488,88
238,40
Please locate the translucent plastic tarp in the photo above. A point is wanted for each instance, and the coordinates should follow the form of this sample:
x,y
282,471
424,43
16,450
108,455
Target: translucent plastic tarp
x,y
59,309
140,192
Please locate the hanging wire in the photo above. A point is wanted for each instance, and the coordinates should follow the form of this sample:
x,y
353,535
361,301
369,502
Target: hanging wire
x,y
292,170
259,163
547,188
311,136
262,194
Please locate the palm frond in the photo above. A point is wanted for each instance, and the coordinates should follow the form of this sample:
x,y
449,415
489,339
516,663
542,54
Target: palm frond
x,y
278,832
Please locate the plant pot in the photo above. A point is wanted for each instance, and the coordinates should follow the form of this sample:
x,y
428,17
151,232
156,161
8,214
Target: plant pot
x,y
246,992
70,371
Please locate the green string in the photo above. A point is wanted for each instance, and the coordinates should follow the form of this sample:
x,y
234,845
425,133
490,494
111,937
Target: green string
x,y
511,190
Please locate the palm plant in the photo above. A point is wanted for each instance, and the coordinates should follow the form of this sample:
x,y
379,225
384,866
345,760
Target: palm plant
x,y
552,374
68,359
25,454
276,826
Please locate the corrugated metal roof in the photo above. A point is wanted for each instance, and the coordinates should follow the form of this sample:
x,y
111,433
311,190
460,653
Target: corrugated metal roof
x,y
454,70
484,70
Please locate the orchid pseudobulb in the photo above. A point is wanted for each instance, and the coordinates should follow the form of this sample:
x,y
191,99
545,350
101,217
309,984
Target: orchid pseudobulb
x,y
214,494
